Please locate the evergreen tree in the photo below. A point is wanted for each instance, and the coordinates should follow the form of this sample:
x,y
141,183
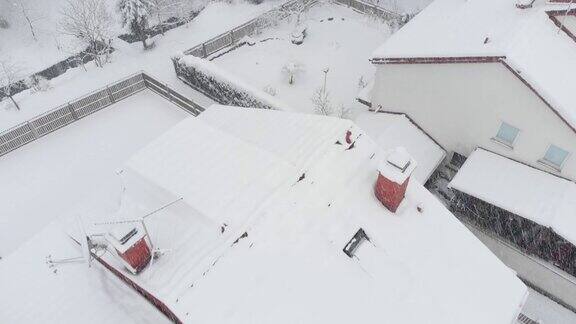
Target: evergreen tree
x,y
135,14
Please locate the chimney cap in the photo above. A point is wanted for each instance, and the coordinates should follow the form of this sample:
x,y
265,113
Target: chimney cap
x,y
398,165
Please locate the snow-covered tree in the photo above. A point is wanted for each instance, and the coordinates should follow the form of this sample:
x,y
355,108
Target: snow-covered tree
x,y
291,69
38,83
270,90
136,14
10,74
88,21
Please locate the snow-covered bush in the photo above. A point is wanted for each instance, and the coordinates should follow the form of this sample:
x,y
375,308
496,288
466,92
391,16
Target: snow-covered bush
x,y
298,34
362,83
222,87
291,69
270,90
248,40
38,83
4,23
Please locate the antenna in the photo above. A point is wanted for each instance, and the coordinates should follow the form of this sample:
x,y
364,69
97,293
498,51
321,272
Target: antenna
x,y
84,242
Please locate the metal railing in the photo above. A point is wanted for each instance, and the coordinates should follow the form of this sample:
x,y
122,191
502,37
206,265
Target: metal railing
x,y
236,34
72,111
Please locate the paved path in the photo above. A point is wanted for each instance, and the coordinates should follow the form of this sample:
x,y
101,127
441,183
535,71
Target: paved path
x,y
542,275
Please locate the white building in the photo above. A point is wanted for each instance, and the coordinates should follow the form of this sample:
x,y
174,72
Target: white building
x,y
277,222
494,74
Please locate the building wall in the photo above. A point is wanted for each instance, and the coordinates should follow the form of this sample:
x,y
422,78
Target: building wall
x,y
463,105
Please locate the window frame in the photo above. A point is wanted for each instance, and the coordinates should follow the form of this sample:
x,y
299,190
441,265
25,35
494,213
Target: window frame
x,y
502,141
551,164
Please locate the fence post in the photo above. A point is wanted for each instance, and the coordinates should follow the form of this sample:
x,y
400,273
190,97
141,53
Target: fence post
x,y
168,92
72,111
33,129
204,55
231,36
110,95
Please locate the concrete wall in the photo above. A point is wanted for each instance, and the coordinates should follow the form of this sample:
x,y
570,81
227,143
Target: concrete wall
x,y
463,105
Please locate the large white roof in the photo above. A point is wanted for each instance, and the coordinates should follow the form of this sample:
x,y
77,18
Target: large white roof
x,y
270,199
533,194
290,261
531,43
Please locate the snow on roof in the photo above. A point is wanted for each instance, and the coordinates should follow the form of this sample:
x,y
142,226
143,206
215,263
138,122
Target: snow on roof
x,y
34,291
292,192
533,194
530,41
393,130
397,166
270,199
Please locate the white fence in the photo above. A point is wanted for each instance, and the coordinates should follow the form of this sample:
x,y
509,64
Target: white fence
x,y
70,112
233,36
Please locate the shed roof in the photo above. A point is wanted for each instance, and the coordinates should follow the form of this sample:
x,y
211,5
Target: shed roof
x,y
520,189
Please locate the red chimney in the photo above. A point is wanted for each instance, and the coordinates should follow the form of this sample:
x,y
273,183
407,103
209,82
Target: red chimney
x,y
393,177
132,246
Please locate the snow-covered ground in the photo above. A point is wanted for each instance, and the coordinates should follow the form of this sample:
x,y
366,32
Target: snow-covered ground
x,y
337,38
216,18
44,179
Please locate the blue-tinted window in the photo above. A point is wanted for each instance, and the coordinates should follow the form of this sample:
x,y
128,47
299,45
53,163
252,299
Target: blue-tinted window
x,y
555,156
507,133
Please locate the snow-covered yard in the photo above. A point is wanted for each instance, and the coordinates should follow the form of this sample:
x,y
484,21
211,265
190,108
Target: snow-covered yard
x,y
216,18
337,38
46,178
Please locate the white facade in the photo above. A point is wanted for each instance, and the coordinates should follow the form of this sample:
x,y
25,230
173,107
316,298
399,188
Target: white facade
x,y
462,106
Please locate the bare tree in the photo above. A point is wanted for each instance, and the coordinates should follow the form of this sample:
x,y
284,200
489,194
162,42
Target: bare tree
x,y
29,14
10,74
88,21
321,101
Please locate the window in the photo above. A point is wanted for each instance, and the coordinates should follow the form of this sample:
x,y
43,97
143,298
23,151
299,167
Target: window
x,y
507,134
555,156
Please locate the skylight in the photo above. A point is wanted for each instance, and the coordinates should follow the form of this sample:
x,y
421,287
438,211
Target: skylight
x,y
355,242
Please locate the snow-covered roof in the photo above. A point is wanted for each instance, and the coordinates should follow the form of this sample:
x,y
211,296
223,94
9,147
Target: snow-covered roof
x,y
36,291
527,39
270,199
299,192
393,130
525,191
